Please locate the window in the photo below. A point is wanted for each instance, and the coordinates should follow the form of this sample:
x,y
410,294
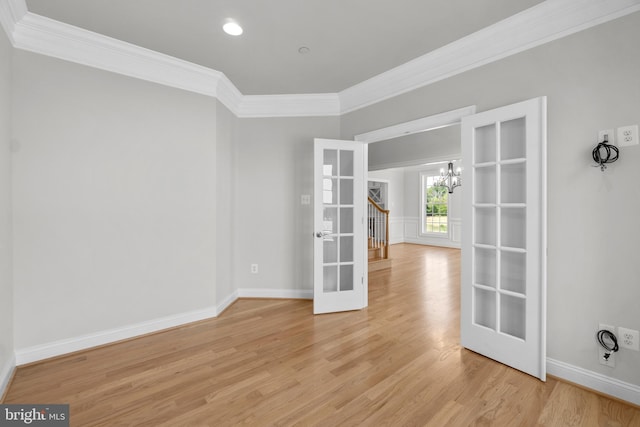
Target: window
x,y
434,205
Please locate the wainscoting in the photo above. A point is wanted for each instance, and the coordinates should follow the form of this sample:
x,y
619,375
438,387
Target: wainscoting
x,y
407,230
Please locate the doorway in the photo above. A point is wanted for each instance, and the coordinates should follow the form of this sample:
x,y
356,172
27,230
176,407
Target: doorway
x,y
509,166
378,191
427,144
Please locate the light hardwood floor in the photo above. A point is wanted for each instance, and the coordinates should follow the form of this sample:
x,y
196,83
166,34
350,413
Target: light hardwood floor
x,y
272,362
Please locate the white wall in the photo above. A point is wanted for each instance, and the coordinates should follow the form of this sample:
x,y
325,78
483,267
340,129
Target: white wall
x,y
6,286
410,152
395,190
395,194
404,218
274,169
115,190
412,209
591,80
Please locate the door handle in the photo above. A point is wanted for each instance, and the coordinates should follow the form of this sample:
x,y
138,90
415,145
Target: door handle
x,y
321,234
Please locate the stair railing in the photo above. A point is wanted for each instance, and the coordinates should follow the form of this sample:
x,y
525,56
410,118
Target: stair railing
x,y
378,234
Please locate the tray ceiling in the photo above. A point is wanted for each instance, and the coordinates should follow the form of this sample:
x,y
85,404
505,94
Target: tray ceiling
x,y
348,41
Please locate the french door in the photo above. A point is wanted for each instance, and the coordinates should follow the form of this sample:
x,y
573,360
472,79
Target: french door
x,y
339,238
503,295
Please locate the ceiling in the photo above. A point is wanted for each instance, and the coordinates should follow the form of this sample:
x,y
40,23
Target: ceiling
x,y
349,40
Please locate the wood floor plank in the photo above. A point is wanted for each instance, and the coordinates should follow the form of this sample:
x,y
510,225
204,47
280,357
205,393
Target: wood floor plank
x,y
273,363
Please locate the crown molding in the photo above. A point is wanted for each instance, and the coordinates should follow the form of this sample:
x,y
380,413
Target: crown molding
x,y
228,94
11,11
540,24
39,34
46,36
545,22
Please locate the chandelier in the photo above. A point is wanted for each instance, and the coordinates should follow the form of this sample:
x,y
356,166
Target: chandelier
x,y
450,179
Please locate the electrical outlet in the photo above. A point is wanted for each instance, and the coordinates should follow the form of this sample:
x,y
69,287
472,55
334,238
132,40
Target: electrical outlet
x,y
611,360
254,268
628,135
607,135
628,338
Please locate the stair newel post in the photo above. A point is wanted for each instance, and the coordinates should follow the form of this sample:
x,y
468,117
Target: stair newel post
x,y
386,237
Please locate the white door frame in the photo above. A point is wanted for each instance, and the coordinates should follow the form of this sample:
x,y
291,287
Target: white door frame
x,y
447,118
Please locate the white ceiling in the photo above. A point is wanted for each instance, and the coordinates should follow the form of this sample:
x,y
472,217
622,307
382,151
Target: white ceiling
x,y
350,40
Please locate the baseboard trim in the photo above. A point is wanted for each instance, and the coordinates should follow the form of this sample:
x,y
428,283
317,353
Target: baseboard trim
x,y
594,381
275,293
226,303
59,348
564,371
444,243
6,374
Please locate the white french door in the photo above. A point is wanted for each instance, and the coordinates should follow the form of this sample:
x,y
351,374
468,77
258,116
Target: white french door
x,y
339,238
503,294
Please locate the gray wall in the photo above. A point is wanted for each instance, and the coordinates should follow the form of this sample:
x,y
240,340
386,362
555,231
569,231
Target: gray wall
x,y
226,134
274,168
114,200
121,192
410,150
592,82
6,248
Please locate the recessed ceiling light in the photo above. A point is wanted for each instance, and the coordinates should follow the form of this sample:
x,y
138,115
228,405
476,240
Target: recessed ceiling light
x,y
232,28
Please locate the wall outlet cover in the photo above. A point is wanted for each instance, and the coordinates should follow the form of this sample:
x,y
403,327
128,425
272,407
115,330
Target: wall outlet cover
x,y
628,135
611,360
628,338
608,135
606,327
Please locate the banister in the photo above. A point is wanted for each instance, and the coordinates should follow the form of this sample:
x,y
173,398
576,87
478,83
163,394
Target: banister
x,y
377,206
375,236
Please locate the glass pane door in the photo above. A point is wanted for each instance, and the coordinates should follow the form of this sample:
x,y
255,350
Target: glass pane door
x,y
338,204
340,242
499,211
504,277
